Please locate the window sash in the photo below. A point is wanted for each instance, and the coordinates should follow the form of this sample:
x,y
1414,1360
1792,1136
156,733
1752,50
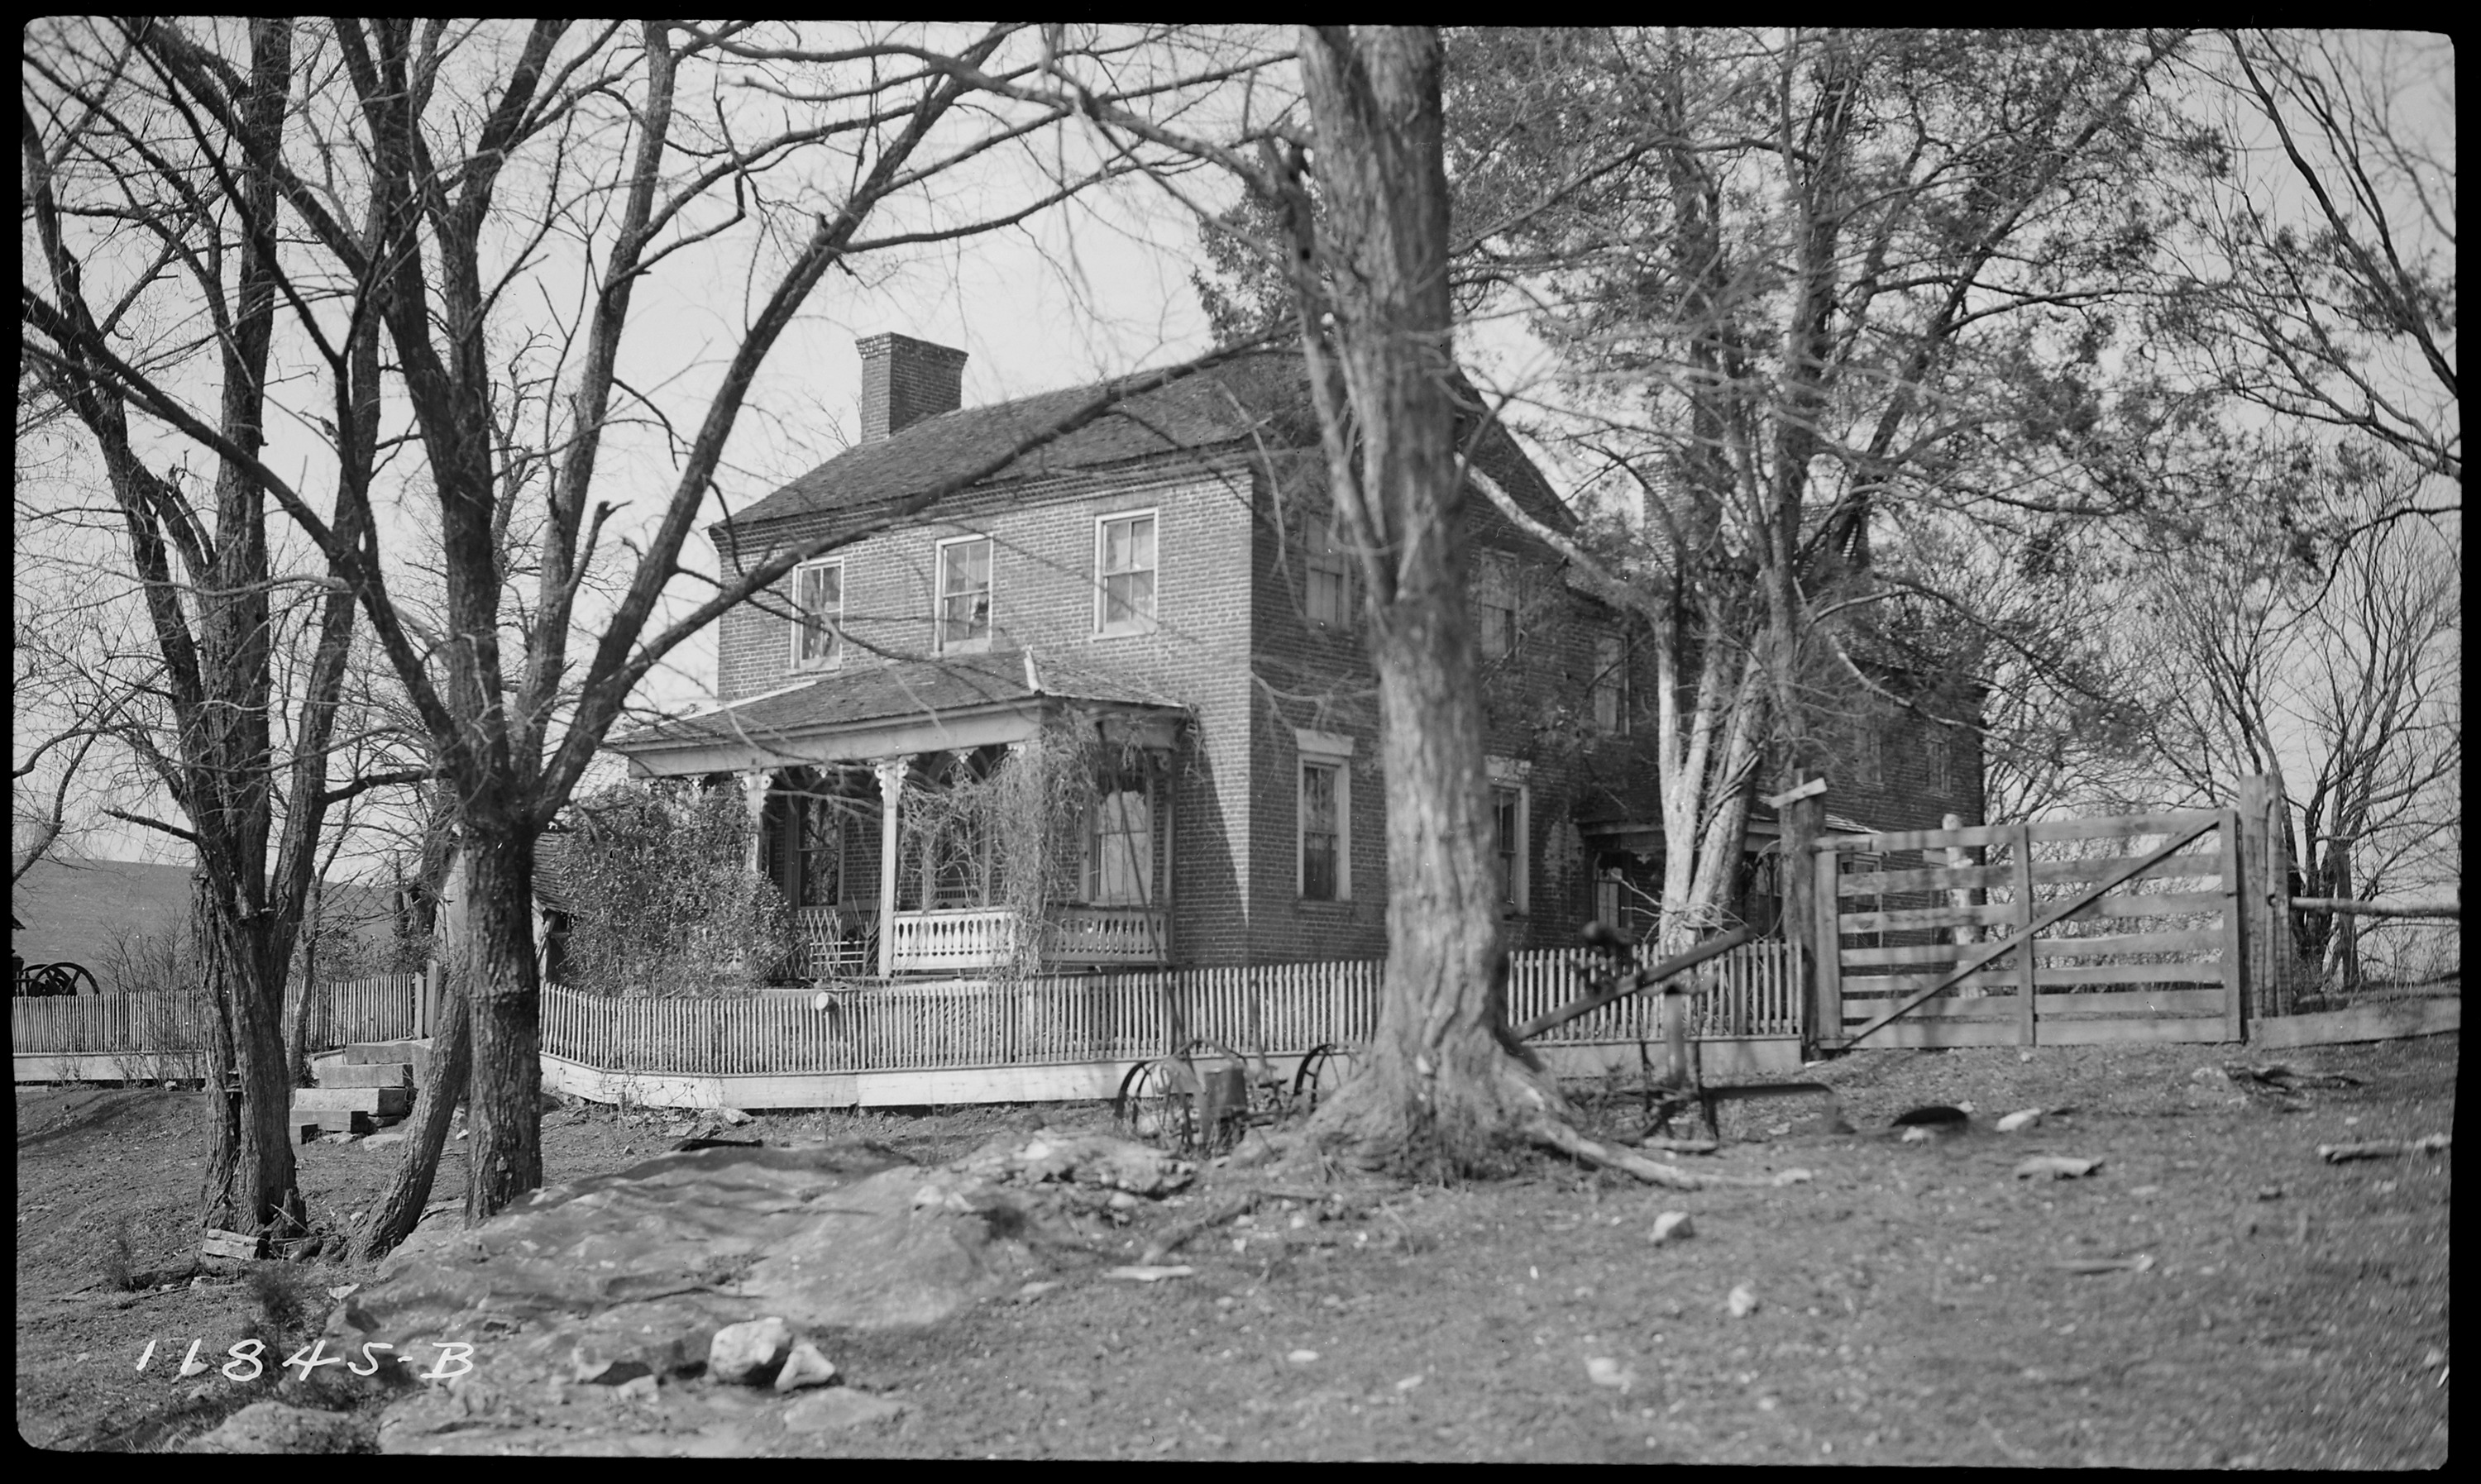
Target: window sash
x,y
1320,831
1327,588
1507,839
1120,842
1125,566
964,592
1610,684
819,594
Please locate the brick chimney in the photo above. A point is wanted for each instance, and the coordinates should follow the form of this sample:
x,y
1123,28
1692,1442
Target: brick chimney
x,y
905,381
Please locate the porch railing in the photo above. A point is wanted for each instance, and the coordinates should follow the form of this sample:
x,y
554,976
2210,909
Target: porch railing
x,y
970,938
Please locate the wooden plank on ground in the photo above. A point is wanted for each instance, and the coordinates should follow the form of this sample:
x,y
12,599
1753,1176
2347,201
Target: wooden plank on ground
x,y
2361,1023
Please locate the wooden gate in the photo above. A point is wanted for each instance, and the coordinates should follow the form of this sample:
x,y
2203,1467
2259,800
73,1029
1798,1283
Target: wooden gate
x,y
2121,929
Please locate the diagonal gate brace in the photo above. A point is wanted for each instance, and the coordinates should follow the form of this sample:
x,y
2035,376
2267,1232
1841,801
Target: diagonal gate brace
x,y
2023,936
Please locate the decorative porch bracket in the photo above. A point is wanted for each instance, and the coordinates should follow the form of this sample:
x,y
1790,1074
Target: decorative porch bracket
x,y
2023,936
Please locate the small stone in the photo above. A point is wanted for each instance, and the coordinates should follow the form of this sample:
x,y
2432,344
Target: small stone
x,y
1673,1225
752,1352
732,1116
642,1389
2029,1118
1742,1303
1121,1199
1603,1370
804,1368
1302,1357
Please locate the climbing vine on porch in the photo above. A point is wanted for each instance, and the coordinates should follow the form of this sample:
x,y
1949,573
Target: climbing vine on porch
x,y
661,896
1030,810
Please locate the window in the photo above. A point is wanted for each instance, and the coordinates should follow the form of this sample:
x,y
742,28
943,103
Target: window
x,y
1326,815
1510,829
1869,758
1610,685
823,852
1327,594
819,593
1121,845
1495,605
1939,751
1508,838
965,592
1124,574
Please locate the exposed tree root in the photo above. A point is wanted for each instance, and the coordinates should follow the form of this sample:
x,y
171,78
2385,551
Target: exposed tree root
x,y
1553,1133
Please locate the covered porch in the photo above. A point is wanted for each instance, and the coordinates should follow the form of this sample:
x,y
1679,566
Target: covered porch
x,y
881,814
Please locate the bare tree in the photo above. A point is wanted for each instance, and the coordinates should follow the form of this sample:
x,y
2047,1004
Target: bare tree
x,y
121,196
2323,287
444,183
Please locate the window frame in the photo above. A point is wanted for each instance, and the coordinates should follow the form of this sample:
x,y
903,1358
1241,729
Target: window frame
x,y
1143,858
1327,752
1323,554
802,629
1609,679
1494,592
940,641
1513,779
1104,628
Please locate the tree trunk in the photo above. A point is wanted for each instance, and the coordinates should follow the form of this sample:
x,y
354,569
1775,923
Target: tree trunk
x,y
219,1202
1445,1088
503,1109
443,1086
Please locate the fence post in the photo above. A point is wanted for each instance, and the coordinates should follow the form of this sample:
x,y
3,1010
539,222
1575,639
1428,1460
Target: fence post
x,y
2265,895
2025,989
1824,956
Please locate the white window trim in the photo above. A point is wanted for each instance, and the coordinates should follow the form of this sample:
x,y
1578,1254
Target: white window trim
x,y
835,625
1325,749
1516,774
939,597
1102,602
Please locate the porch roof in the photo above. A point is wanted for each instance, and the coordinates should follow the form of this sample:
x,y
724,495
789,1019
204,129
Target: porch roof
x,y
896,707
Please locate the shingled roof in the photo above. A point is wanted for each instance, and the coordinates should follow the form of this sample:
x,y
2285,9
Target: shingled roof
x,y
1253,401
893,691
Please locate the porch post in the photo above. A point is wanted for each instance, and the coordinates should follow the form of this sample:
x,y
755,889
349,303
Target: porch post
x,y
891,794
753,796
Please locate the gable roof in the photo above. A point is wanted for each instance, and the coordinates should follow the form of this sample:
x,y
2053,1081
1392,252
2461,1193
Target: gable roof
x,y
1251,401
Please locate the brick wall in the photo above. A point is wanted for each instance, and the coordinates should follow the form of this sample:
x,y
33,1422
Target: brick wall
x,y
905,381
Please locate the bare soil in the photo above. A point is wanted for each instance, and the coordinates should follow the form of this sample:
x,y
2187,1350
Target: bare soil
x,y
1911,1302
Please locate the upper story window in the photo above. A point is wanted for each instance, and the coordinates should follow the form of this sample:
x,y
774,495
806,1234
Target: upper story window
x,y
1124,573
819,593
1610,684
965,612
1937,750
1868,755
1495,605
1326,593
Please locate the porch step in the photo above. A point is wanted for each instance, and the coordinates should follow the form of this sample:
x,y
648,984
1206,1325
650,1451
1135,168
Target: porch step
x,y
413,1054
374,1074
308,1102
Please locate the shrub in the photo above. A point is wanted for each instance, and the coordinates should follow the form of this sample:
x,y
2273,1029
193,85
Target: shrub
x,y
661,896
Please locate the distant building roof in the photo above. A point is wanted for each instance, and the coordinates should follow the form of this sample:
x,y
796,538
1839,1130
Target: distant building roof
x,y
1255,400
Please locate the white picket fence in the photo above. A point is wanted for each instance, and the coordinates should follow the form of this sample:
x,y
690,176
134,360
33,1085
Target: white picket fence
x,y
1265,1009
372,1009
1270,1010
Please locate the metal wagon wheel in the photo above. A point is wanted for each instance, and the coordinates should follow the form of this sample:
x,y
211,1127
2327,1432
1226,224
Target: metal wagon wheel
x,y
1157,1102
1323,1069
63,978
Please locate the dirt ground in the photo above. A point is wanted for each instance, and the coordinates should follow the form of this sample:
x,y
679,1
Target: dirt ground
x,y
1911,1304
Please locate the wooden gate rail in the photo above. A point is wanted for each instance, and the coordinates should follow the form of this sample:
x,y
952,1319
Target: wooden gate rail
x,y
2022,937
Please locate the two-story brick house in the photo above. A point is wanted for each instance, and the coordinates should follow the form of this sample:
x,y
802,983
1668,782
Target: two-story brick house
x,y
1166,578
1167,575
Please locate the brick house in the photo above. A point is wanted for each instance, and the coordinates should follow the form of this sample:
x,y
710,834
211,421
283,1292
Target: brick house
x,y
1165,579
